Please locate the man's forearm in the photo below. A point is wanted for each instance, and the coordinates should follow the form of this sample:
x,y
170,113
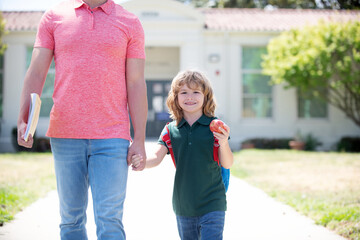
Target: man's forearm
x,y
34,79
138,107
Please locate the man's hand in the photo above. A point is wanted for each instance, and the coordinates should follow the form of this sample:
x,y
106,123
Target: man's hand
x,y
137,148
21,134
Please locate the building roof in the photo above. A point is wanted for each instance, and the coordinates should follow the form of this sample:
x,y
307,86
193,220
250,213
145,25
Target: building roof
x,y
246,19
22,20
230,19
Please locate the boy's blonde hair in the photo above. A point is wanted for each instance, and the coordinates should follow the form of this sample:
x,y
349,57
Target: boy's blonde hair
x,y
195,80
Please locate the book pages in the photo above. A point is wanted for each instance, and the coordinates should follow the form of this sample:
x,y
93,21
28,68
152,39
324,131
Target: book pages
x,y
34,112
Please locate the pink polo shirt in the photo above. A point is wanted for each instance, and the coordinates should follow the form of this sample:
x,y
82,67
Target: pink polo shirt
x,y
90,51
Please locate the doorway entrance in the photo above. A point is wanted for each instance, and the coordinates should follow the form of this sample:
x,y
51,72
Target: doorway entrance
x,y
161,65
158,115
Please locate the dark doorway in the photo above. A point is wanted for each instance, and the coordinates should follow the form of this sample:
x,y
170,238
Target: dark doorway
x,y
158,116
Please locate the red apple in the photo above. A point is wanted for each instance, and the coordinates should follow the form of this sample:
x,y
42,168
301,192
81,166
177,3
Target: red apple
x,y
215,124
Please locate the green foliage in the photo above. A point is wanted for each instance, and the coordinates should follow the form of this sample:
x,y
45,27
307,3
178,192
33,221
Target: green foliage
x,y
2,32
342,217
311,142
321,185
322,60
349,144
264,3
239,4
24,178
296,4
344,4
12,200
269,143
196,3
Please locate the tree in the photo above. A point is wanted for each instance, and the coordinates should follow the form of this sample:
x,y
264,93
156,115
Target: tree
x,y
264,3
2,50
339,4
197,3
321,60
2,32
304,4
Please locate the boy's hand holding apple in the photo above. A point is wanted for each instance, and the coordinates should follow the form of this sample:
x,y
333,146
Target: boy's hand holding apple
x,y
220,130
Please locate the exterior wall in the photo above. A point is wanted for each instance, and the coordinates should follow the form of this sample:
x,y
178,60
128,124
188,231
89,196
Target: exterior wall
x,y
173,29
171,24
14,72
162,63
284,122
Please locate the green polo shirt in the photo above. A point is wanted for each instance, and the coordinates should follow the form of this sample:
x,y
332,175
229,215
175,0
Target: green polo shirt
x,y
198,186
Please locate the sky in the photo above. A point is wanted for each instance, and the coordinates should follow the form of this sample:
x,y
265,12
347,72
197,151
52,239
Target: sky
x,y
28,5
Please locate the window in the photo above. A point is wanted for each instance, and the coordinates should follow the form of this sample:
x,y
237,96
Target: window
x,y
311,107
257,93
46,96
1,84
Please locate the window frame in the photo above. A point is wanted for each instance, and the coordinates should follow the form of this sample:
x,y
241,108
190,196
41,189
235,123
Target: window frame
x,y
299,99
2,60
243,72
51,71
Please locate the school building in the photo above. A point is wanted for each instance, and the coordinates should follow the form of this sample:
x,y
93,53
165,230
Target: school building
x,y
225,43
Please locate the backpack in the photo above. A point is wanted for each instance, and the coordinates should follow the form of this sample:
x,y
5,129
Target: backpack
x,y
225,173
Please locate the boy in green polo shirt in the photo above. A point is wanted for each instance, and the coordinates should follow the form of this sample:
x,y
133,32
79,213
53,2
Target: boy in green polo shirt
x,y
199,198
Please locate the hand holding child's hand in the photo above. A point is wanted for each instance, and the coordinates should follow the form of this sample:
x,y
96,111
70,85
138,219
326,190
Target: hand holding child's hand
x,y
136,161
223,136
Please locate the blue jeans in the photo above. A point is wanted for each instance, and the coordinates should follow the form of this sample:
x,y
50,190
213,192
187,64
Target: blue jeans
x,y
207,227
100,164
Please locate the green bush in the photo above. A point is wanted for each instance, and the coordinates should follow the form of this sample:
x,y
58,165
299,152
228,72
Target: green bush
x,y
270,143
349,144
311,142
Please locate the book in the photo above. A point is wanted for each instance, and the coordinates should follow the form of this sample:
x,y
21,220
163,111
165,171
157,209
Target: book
x,y
34,112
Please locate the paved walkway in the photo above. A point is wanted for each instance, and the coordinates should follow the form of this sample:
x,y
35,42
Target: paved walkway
x,y
251,215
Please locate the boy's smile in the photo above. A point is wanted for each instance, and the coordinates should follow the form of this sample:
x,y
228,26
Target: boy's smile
x,y
191,100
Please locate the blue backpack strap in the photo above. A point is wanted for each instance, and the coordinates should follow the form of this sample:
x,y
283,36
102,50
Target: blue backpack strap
x,y
225,173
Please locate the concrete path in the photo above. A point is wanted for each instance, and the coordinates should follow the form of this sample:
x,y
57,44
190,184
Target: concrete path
x,y
251,215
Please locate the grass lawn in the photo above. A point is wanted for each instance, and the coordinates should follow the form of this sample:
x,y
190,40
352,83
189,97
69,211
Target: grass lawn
x,y
322,186
24,177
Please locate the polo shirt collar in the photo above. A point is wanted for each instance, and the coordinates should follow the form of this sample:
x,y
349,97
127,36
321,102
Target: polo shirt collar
x,y
181,123
78,3
203,120
106,7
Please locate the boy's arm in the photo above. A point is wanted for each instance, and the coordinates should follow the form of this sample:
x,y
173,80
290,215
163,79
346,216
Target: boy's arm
x,y
225,155
33,83
156,158
152,161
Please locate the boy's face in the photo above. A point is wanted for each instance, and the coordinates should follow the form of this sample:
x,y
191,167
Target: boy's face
x,y
191,100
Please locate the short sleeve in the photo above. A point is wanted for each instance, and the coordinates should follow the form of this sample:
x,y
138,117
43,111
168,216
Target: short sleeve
x,y
161,141
136,44
45,35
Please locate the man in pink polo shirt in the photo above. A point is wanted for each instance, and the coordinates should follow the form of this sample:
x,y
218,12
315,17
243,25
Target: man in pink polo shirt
x,y
98,49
